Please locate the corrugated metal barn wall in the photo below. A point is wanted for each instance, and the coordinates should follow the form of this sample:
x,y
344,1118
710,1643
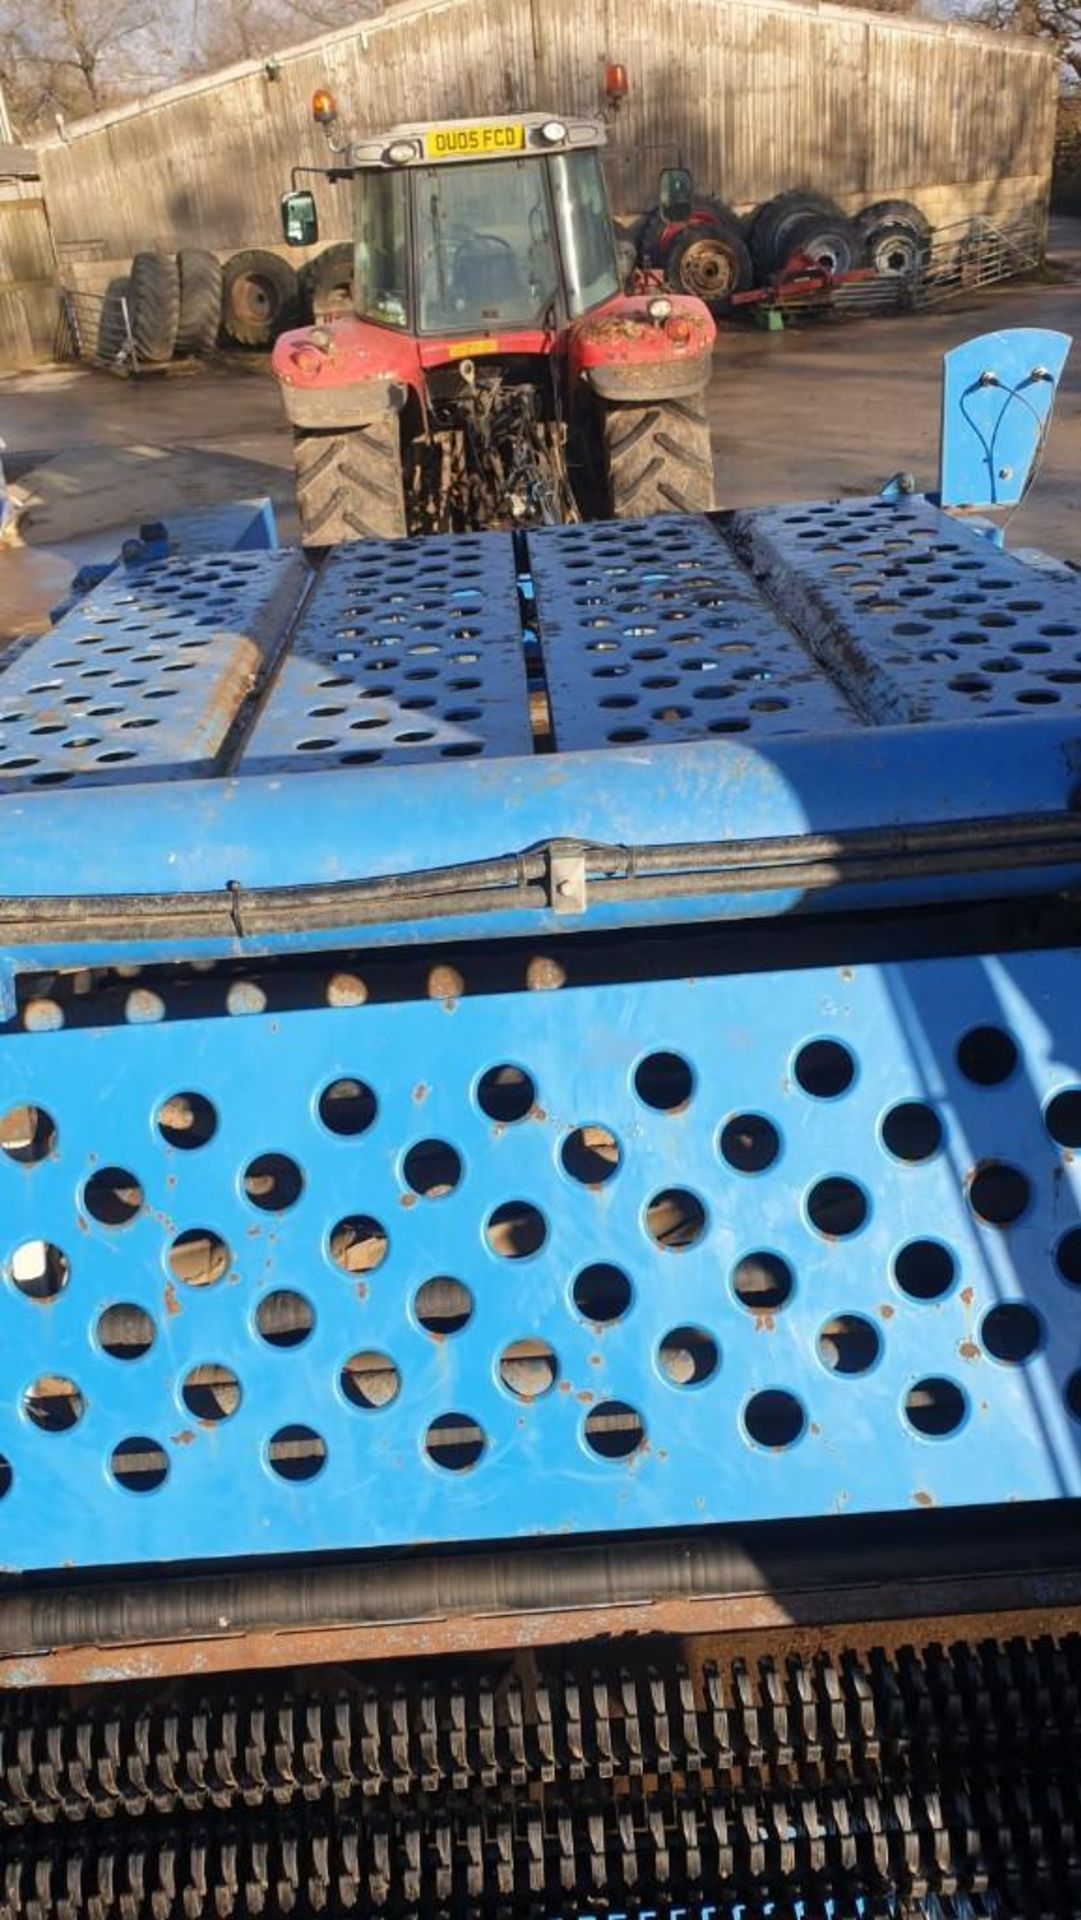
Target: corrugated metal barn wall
x,y
756,95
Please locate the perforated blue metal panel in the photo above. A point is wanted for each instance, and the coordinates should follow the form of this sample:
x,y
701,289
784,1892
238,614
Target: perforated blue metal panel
x,y
145,677
809,1195
407,651
915,616
651,630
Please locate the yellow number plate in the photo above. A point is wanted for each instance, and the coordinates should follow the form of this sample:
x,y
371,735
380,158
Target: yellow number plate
x,y
458,143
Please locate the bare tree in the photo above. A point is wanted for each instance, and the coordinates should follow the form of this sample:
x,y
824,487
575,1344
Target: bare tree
x,y
1057,21
229,30
73,56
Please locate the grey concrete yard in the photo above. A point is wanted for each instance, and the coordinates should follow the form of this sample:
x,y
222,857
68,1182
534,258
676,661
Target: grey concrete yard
x,y
831,407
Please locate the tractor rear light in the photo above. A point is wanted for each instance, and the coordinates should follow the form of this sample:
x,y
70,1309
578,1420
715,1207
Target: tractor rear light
x,y
553,132
324,106
307,359
659,308
679,329
400,152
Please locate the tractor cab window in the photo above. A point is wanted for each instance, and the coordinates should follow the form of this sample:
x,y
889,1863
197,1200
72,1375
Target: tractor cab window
x,y
486,256
381,271
585,229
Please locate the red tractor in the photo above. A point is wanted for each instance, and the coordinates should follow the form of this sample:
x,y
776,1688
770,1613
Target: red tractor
x,y
491,371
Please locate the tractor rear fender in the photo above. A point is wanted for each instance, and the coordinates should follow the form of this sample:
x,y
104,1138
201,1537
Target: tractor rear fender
x,y
343,374
624,354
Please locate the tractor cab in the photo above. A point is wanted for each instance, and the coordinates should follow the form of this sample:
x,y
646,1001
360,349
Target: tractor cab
x,y
452,237
476,378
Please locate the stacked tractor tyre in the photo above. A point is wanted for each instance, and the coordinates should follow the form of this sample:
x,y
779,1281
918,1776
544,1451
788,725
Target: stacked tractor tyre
x,y
716,255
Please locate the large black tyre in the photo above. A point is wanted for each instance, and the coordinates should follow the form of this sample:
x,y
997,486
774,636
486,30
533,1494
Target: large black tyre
x,y
657,224
658,458
710,261
327,281
769,229
111,345
260,297
829,239
154,306
349,483
200,300
896,237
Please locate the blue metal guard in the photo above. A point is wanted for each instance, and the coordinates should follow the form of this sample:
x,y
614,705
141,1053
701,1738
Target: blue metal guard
x,y
290,1264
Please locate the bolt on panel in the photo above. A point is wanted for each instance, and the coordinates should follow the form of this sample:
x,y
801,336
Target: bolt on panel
x,y
659,1254
406,651
147,676
652,630
916,616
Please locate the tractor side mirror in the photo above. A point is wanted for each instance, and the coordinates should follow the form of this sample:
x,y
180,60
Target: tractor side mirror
x,y
676,195
300,219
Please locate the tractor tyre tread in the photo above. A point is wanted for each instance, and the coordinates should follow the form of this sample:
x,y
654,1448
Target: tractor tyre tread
x,y
349,483
889,213
200,300
326,282
154,306
658,459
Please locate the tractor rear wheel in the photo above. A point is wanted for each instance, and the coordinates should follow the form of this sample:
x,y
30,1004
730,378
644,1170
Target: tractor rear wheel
x,y
349,483
710,261
658,458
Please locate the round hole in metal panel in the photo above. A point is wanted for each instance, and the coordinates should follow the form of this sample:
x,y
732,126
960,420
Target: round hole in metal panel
x,y
187,1121
688,1356
1011,1332
664,1081
284,1318
998,1193
935,1407
675,1219
924,1269
139,1464
296,1452
515,1230
506,1093
443,1306
602,1293
358,1244
125,1331
762,1282
528,1368
432,1168
824,1069
912,1131
986,1055
1062,1117
454,1442
836,1207
614,1430
28,1135
849,1344
198,1257
54,1403
112,1196
1068,1257
774,1419
273,1182
347,1107
211,1393
370,1381
39,1270
749,1142
590,1155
